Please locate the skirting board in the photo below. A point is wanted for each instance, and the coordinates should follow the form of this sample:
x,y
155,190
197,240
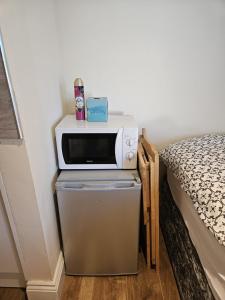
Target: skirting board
x,y
47,290
12,280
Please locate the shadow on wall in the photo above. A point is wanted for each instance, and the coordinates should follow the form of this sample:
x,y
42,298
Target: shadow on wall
x,y
68,105
163,131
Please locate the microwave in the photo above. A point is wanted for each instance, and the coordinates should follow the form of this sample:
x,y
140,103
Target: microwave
x,y
97,145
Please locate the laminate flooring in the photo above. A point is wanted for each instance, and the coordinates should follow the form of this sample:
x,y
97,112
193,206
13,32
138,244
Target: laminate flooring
x,y
12,294
146,285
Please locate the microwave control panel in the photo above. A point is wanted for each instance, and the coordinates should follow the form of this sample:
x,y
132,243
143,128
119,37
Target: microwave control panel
x,y
130,144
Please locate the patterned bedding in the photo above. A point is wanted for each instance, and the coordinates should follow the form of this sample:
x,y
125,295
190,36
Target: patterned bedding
x,y
199,165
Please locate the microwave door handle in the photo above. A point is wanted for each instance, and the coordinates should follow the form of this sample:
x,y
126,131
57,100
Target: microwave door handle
x,y
118,148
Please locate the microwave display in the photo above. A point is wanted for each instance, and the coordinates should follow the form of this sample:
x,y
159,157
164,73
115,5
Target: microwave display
x,y
89,148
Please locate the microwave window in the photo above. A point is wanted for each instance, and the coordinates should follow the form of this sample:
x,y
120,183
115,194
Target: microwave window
x,y
89,148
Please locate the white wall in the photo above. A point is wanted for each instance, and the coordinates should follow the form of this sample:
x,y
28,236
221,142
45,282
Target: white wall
x,y
18,183
30,39
10,267
8,262
162,61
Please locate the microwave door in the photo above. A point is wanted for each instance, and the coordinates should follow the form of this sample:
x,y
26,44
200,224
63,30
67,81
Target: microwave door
x,y
89,149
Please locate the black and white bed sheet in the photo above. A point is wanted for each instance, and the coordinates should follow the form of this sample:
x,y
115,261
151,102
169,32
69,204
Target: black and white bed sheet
x,y
199,164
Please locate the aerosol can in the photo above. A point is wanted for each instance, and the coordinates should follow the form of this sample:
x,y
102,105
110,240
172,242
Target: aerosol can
x,y
79,99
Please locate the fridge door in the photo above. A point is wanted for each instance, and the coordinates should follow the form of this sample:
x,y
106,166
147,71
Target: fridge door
x,y
100,226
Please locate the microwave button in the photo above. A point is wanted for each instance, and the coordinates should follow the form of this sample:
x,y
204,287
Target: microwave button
x,y
130,142
130,155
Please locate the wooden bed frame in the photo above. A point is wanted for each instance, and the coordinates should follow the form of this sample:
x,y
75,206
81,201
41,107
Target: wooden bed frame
x,y
188,271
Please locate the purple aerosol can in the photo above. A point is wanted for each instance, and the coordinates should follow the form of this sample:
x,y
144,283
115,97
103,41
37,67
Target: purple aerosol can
x,y
79,99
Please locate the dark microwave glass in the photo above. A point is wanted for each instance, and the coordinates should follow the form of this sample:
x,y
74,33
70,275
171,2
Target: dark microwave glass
x,y
89,148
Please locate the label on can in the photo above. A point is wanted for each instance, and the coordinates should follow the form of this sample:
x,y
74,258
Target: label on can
x,y
79,103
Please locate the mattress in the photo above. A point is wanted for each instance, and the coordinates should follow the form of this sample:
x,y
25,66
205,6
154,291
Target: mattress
x,y
199,164
211,253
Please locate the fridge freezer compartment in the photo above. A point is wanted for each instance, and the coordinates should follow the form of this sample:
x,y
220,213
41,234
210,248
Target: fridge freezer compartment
x,y
100,228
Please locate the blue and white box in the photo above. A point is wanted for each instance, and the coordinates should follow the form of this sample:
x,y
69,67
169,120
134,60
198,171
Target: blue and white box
x,y
97,109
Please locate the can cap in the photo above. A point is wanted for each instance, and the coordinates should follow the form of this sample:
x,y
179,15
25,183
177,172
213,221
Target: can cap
x,y
78,82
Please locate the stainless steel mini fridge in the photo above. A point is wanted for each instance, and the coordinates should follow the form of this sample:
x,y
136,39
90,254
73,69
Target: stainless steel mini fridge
x,y
99,218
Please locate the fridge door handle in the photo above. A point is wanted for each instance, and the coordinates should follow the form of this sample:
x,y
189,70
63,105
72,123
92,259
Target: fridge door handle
x,y
61,186
109,186
96,186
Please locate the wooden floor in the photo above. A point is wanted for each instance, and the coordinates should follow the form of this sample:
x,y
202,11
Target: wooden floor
x,y
12,294
146,285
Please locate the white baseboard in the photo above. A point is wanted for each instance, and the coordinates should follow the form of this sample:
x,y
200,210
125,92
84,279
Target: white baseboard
x,y
47,290
12,280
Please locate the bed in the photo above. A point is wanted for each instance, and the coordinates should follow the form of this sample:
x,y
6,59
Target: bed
x,y
192,207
